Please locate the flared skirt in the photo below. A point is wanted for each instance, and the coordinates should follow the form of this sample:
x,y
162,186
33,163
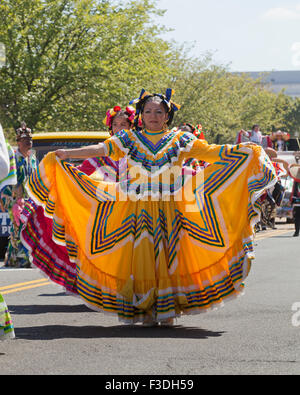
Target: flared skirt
x,y
160,256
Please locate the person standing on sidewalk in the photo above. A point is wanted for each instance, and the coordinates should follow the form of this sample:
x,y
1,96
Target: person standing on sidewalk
x,y
14,196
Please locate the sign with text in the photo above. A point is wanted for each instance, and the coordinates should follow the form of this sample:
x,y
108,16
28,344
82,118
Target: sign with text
x,y
4,224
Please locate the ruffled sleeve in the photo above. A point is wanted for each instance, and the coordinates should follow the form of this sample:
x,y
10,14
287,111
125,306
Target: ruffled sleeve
x,y
201,150
116,147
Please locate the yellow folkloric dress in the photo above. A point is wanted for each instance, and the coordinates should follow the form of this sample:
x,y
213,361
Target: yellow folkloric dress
x,y
162,242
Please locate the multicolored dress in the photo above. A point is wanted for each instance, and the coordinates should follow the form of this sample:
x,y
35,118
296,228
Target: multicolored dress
x,y
40,227
105,168
160,243
13,199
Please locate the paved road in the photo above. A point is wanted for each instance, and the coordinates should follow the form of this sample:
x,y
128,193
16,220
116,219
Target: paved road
x,y
255,334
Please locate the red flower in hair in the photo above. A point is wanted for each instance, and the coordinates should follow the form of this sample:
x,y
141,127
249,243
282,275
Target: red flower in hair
x,y
131,112
110,114
198,132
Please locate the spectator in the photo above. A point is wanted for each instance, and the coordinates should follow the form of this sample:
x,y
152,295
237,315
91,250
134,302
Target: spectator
x,y
254,136
14,197
280,141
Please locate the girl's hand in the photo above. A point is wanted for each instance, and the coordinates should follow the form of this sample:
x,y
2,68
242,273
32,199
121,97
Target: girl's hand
x,y
61,154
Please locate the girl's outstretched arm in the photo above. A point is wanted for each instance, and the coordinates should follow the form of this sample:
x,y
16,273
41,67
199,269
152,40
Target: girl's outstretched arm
x,y
90,151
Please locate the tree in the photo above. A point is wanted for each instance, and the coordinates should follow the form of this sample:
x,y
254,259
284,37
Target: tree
x,y
66,61
292,117
224,102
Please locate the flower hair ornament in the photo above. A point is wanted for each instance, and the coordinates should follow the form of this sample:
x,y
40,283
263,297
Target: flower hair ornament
x,y
166,99
196,130
112,112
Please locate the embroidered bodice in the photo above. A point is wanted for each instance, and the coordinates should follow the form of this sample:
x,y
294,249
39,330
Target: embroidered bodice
x,y
155,160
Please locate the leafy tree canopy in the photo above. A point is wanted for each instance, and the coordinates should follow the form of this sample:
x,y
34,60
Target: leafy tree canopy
x,y
68,61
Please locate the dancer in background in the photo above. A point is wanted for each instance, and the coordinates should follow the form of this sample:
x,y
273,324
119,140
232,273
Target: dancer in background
x,y
197,131
116,120
56,259
14,198
294,172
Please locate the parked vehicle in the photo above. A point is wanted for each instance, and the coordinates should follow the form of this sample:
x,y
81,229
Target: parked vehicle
x,y
51,141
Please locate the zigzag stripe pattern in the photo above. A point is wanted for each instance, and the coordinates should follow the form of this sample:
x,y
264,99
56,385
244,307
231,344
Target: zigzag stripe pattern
x,y
142,226
58,231
50,258
212,261
154,148
100,240
130,140
38,187
210,234
86,185
40,191
160,232
108,302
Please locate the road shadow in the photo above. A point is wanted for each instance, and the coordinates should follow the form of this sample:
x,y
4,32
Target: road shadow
x,y
44,309
56,332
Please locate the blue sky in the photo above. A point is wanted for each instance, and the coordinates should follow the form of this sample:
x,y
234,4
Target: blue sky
x,y
255,35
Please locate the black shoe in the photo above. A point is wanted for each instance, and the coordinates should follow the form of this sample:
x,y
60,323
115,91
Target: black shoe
x,y
296,234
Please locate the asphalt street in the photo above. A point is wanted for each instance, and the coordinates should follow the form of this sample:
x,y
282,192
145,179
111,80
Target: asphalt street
x,y
257,334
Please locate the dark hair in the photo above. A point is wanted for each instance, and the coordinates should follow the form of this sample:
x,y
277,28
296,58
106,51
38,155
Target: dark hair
x,y
154,99
255,126
189,125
